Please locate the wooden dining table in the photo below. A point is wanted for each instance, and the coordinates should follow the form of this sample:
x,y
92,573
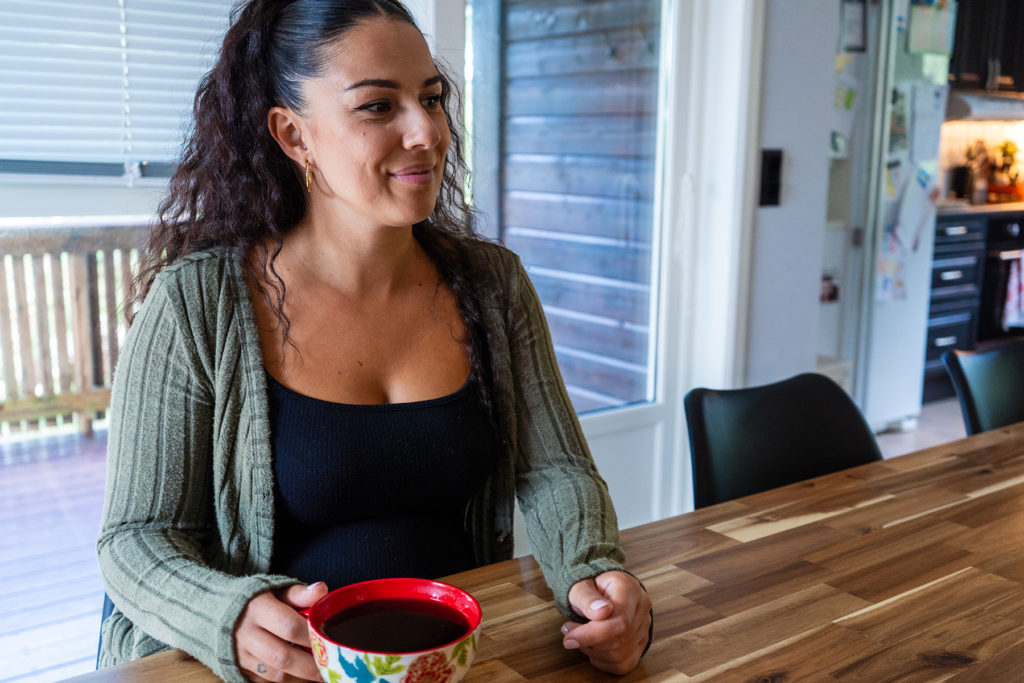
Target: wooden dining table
x,y
907,569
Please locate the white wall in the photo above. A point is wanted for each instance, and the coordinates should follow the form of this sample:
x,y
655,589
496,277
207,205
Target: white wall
x,y
443,23
796,102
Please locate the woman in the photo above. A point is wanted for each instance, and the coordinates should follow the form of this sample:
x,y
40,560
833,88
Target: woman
x,y
330,377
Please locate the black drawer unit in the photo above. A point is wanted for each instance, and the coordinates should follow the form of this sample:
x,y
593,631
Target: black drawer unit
x,y
954,331
958,269
958,230
957,276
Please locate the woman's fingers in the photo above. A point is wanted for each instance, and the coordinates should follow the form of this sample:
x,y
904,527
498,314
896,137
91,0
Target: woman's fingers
x,y
614,638
606,634
301,597
279,657
620,660
622,589
259,672
588,601
283,621
269,639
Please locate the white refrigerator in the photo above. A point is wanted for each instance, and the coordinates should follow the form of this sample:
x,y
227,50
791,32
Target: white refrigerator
x,y
898,172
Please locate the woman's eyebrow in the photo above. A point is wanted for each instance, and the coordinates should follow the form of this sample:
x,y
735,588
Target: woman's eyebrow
x,y
384,83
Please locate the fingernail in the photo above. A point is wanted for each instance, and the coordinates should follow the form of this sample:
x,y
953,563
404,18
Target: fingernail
x,y
565,629
571,645
598,604
314,586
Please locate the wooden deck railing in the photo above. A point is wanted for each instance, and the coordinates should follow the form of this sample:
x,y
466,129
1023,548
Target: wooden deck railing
x,y
62,284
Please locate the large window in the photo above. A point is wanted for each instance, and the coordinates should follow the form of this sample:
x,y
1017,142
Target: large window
x,y
101,87
564,102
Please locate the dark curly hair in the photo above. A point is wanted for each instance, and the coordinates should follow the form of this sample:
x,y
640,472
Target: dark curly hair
x,y
235,188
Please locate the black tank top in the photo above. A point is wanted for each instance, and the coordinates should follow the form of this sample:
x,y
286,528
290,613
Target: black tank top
x,y
374,491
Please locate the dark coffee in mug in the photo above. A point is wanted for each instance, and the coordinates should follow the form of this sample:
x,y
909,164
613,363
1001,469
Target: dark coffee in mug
x,y
396,625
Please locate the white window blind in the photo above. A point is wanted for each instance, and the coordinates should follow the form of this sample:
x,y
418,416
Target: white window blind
x,y
101,87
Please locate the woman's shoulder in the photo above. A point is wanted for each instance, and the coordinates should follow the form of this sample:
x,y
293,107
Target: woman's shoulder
x,y
203,263
201,270
196,295
204,283
493,258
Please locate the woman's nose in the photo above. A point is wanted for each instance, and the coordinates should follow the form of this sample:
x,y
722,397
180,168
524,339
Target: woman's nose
x,y
422,129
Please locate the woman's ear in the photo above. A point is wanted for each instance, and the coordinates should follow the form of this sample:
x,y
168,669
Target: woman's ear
x,y
286,128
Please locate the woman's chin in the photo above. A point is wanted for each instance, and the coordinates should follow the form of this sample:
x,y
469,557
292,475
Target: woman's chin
x,y
421,215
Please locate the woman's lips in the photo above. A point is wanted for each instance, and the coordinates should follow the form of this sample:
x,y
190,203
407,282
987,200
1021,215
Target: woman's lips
x,y
415,175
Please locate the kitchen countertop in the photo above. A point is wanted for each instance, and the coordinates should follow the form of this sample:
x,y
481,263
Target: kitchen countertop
x,y
958,209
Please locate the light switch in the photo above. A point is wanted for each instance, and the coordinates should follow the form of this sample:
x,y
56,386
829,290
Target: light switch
x,y
771,177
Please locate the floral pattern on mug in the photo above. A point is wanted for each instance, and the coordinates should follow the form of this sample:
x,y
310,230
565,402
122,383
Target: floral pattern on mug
x,y
384,666
356,670
464,650
432,667
319,650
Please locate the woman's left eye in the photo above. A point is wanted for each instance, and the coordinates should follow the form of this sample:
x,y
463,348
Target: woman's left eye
x,y
432,101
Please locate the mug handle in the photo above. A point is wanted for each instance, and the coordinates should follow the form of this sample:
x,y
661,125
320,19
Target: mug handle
x,y
305,613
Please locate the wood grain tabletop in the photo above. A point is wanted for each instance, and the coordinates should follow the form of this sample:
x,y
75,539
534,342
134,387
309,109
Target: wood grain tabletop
x,y
909,569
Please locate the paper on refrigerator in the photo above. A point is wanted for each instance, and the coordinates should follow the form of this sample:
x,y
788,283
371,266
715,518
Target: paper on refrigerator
x,y
928,114
890,273
904,230
849,85
917,208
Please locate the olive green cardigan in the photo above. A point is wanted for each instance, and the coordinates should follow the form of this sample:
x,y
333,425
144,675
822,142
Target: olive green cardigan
x,y
187,531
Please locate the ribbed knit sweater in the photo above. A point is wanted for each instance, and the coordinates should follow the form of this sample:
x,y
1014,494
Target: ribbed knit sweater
x,y
187,530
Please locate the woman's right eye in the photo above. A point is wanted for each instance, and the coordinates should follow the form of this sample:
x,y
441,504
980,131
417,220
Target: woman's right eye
x,y
377,107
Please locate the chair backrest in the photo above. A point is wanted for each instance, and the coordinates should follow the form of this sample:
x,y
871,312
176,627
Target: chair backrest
x,y
989,384
108,609
743,441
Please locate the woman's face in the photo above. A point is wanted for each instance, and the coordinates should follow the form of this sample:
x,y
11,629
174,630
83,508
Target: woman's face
x,y
375,128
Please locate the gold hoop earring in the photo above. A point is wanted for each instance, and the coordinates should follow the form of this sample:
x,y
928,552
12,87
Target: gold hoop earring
x,y
309,178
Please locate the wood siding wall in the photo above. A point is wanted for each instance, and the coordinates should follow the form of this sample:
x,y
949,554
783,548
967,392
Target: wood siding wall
x,y
579,93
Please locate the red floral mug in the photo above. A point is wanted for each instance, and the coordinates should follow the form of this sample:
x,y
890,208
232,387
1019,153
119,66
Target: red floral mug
x,y
394,631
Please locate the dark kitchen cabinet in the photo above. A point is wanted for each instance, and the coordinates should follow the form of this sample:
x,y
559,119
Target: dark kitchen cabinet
x,y
989,52
1011,47
968,67
957,271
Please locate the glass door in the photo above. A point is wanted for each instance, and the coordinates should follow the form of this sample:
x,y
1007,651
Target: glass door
x,y
564,121
564,124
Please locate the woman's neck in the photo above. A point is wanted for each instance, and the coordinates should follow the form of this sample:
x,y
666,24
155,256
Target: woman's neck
x,y
357,263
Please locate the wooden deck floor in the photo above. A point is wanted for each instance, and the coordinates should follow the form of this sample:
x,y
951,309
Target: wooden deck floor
x,y
51,497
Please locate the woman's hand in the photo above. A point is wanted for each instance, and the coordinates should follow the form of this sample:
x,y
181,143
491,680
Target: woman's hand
x,y
269,629
619,611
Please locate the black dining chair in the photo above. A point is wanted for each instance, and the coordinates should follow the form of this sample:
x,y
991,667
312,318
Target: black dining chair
x,y
743,441
989,384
